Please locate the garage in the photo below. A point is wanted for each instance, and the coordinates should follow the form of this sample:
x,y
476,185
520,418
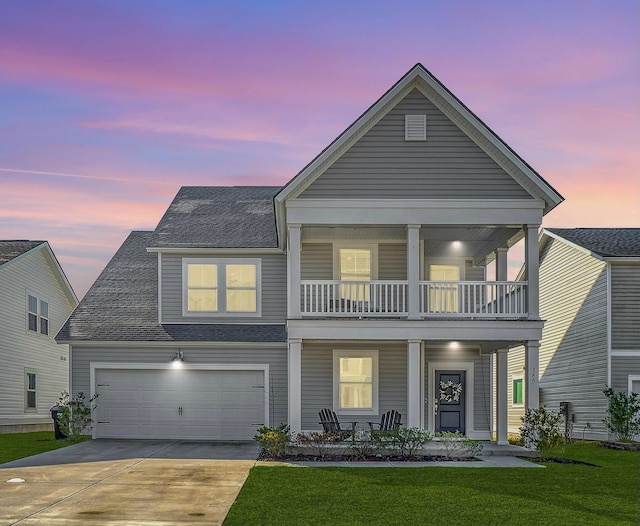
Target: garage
x,y
185,404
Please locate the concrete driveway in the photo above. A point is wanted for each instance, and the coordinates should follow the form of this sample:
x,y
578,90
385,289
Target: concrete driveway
x,y
132,482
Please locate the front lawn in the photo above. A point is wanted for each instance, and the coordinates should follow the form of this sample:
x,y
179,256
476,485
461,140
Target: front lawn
x,y
557,495
20,445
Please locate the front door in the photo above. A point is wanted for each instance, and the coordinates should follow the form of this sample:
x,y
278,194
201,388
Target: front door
x,y
450,401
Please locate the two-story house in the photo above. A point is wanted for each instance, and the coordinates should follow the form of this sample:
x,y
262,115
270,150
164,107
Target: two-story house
x,y
359,286
590,297
35,300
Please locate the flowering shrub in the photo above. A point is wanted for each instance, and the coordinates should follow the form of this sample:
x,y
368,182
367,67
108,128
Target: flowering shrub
x,y
539,429
403,441
75,414
319,440
274,440
623,414
456,445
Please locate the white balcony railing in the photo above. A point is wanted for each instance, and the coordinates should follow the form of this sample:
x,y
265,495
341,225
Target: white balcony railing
x,y
353,298
475,299
455,299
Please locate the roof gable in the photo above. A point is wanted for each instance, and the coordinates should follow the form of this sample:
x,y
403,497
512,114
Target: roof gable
x,y
10,250
601,242
419,78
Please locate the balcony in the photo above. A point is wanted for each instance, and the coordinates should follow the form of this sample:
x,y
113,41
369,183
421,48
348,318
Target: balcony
x,y
438,299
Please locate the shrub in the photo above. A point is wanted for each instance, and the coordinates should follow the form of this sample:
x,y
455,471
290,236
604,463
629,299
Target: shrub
x,y
515,439
362,444
318,440
456,445
75,414
539,429
403,441
274,440
623,414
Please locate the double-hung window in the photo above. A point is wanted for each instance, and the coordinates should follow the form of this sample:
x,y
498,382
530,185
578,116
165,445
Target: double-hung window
x,y
355,382
355,266
221,287
37,315
30,390
443,295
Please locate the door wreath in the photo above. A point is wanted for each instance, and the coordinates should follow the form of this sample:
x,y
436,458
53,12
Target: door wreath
x,y
450,391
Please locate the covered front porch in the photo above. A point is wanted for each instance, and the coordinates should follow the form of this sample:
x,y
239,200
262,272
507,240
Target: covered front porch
x,y
436,384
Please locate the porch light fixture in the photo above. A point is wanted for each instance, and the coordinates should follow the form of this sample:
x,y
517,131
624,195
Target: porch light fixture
x,y
456,245
454,345
178,359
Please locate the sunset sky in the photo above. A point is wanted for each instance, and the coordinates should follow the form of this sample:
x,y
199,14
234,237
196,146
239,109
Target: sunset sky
x,y
108,107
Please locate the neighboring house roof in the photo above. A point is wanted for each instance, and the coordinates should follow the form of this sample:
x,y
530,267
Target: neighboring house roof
x,y
603,242
12,249
122,306
218,217
419,77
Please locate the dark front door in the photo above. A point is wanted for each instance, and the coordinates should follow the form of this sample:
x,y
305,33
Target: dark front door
x,y
450,399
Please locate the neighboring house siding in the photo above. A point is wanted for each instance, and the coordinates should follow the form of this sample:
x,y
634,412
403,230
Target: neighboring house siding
x,y
274,292
275,358
621,368
317,379
22,349
515,360
625,306
573,352
481,382
449,165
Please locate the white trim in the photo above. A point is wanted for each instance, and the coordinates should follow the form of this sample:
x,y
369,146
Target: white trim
x,y
630,379
624,352
468,367
358,353
175,344
346,244
609,336
159,287
423,393
221,288
30,410
515,377
93,366
294,383
217,251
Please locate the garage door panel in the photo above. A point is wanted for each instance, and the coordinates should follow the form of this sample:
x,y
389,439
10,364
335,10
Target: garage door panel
x,y
216,404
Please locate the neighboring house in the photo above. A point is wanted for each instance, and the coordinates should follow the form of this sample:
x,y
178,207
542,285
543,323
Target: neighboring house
x,y
359,286
35,300
590,299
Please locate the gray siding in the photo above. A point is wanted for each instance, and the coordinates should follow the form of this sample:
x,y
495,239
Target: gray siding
x,y
573,351
316,261
449,165
481,382
515,368
22,349
274,292
275,358
625,306
317,379
472,273
392,261
621,368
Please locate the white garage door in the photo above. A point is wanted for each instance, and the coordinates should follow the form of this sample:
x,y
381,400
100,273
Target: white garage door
x,y
179,404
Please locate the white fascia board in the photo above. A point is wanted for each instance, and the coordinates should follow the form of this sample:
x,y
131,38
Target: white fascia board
x,y
210,251
621,259
574,245
183,345
635,353
444,330
511,212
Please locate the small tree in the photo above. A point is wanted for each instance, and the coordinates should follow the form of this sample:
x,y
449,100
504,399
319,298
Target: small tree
x,y
623,414
75,414
539,429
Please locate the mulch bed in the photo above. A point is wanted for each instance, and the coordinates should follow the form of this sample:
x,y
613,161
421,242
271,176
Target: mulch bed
x,y
354,458
558,460
628,446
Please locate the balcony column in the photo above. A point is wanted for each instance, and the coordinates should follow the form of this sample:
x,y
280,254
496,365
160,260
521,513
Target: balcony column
x,y
502,380
293,271
413,271
294,363
531,383
414,407
531,265
501,264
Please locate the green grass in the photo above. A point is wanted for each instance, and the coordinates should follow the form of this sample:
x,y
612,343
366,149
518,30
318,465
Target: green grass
x,y
20,445
559,494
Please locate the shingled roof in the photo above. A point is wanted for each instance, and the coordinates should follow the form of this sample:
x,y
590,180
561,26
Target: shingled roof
x,y
605,242
12,249
219,217
122,305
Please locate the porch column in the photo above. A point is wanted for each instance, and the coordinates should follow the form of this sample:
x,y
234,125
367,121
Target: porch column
x,y
531,383
293,270
531,265
294,363
501,264
414,407
413,271
501,396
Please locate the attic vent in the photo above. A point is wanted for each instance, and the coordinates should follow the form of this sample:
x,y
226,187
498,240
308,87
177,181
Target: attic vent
x,y
415,127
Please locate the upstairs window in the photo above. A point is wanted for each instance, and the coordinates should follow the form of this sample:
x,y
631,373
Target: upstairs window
x,y
443,297
37,315
221,287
